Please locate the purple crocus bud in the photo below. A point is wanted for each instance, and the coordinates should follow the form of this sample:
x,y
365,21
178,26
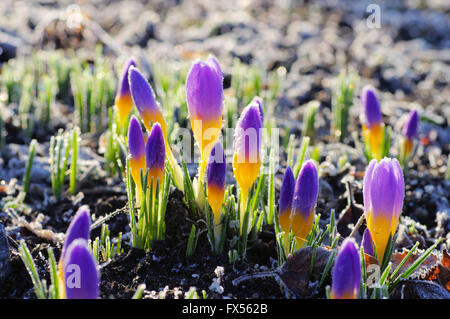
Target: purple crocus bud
x,y
81,277
144,99
367,243
411,127
215,179
372,110
204,90
247,152
78,228
123,99
304,201
285,203
247,147
136,149
383,192
204,96
346,274
155,154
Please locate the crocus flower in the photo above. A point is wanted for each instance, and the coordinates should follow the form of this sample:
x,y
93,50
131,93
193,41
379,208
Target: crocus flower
x,y
367,243
383,193
410,132
148,108
346,276
304,202
145,101
136,149
285,203
123,99
204,95
247,151
155,155
81,277
78,229
215,180
372,127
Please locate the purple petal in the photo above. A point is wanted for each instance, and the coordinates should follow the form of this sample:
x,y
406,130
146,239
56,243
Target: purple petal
x,y
286,191
217,167
400,189
411,127
247,138
124,87
367,185
371,106
136,142
367,243
141,91
80,272
155,148
78,228
347,270
258,101
306,189
383,190
204,90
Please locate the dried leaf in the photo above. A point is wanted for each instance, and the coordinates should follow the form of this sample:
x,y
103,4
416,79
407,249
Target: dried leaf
x,y
295,271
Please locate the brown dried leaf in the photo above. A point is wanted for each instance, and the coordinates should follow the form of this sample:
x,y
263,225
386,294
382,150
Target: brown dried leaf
x,y
295,271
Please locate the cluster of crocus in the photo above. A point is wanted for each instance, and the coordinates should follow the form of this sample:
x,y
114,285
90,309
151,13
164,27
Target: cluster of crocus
x,y
346,276
297,203
247,152
204,96
410,130
123,99
215,184
383,193
373,127
150,113
146,155
78,272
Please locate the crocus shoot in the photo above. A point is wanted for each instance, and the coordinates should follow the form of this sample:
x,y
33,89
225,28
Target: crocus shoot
x,y
373,128
285,205
304,202
123,99
136,150
204,96
346,276
383,192
215,187
78,276
409,135
247,154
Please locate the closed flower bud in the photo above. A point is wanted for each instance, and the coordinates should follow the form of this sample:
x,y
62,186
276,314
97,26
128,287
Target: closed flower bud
x,y
410,130
123,99
81,276
155,155
215,180
286,196
136,148
373,131
304,201
367,243
383,192
346,276
145,101
204,95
